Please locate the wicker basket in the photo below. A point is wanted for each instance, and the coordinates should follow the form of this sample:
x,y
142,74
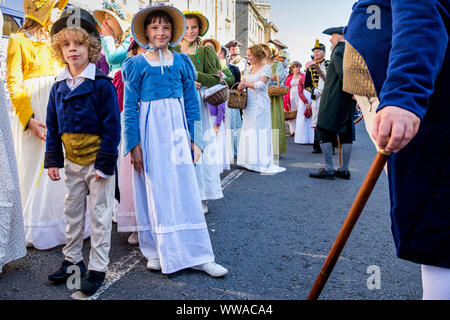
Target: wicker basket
x,y
290,115
277,90
217,97
237,98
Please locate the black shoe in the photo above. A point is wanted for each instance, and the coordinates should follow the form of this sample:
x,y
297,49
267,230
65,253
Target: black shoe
x,y
92,282
61,275
317,151
323,174
342,174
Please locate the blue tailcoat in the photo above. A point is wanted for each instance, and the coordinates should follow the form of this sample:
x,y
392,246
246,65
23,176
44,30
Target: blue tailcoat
x,y
408,59
92,107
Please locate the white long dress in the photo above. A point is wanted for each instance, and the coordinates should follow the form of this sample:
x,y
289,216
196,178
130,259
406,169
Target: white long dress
x,y
223,147
210,165
294,103
170,220
12,235
304,131
171,223
255,151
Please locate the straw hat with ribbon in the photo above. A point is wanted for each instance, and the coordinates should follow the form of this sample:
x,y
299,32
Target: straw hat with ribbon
x,y
138,27
213,41
40,10
204,21
203,28
115,10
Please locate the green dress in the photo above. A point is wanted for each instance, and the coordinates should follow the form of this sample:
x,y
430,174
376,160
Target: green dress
x,y
277,113
207,65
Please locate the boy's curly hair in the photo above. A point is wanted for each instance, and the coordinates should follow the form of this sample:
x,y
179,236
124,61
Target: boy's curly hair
x,y
81,35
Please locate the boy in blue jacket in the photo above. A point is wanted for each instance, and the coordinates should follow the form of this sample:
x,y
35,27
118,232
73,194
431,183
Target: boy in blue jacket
x,y
83,114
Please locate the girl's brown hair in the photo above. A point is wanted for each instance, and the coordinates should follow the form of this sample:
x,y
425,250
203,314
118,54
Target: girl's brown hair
x,y
93,44
32,26
257,51
199,22
293,65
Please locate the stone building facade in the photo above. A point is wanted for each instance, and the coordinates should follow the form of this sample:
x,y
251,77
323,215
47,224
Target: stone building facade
x,y
253,23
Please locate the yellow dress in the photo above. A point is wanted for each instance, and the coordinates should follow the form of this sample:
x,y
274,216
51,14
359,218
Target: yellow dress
x,y
31,72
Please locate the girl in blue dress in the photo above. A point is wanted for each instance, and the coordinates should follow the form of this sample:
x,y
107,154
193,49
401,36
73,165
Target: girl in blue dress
x,y
161,109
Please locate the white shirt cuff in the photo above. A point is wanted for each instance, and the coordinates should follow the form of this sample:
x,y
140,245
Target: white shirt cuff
x,y
101,174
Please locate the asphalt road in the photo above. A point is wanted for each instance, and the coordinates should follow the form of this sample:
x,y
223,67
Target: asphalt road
x,y
272,233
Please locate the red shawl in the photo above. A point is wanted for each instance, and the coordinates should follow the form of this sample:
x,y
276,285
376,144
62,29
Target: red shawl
x,y
287,97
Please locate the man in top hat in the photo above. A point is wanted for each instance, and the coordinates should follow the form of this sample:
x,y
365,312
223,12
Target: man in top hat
x,y
314,82
335,113
235,58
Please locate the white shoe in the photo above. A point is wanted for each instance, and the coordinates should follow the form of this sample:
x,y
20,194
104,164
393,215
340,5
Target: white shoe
x,y
133,238
212,268
204,207
153,264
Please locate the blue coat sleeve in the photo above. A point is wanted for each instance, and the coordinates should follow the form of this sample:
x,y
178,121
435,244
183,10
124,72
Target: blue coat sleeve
x,y
106,159
132,81
419,41
54,156
191,100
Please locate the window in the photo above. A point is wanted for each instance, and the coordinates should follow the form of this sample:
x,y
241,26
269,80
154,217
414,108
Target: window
x,y
9,25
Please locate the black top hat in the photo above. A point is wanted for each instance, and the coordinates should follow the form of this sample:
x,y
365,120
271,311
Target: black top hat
x,y
319,46
76,17
331,31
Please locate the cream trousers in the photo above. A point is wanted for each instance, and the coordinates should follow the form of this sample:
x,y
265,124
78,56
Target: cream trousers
x,y
81,181
368,107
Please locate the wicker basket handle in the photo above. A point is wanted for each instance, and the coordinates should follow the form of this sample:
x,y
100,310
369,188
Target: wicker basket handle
x,y
278,80
238,91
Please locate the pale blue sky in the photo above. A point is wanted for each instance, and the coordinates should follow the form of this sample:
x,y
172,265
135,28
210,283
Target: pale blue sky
x,y
301,22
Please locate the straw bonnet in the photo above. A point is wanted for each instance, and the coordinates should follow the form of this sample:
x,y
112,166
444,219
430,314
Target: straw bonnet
x,y
76,17
40,10
214,41
272,47
227,52
178,27
203,19
115,10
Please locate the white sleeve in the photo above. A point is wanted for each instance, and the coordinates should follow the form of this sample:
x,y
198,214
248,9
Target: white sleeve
x,y
103,175
266,71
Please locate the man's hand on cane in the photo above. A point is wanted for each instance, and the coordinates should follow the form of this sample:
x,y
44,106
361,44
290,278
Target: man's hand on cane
x,y
399,124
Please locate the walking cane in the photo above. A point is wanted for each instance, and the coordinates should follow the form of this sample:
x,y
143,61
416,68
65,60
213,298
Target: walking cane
x,y
350,221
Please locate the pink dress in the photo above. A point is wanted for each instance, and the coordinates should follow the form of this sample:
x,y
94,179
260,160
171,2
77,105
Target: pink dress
x,y
126,215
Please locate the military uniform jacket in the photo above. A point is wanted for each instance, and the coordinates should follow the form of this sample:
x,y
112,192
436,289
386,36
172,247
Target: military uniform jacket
x,y
312,79
336,106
